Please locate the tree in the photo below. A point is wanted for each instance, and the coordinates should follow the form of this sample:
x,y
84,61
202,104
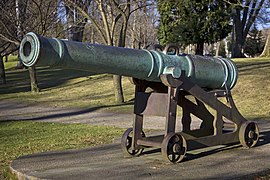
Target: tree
x,y
193,22
266,50
110,20
167,24
3,48
21,16
143,35
245,13
2,70
8,21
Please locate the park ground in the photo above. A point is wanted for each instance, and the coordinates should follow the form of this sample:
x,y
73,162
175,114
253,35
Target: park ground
x,y
70,89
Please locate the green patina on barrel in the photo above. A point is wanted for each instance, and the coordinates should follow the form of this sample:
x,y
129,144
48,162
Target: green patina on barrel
x,y
207,72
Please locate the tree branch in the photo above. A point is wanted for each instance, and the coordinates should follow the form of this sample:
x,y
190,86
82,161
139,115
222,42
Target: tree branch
x,y
253,16
245,13
105,22
89,18
9,40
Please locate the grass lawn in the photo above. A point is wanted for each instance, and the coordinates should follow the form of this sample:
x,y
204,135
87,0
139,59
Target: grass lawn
x,y
12,62
67,88
27,137
252,91
71,88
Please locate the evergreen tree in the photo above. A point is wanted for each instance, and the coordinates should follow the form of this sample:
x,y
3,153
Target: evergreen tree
x,y
167,22
193,22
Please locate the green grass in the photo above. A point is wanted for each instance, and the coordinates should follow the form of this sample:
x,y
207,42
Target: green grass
x,y
71,88
12,62
27,137
67,88
252,91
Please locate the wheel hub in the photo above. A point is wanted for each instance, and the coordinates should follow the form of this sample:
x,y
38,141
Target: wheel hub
x,y
251,134
177,148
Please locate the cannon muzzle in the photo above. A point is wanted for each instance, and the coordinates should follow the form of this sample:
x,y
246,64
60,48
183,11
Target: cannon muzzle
x,y
207,72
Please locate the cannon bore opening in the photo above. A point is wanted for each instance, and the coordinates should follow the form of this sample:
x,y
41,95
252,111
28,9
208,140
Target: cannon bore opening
x,y
26,48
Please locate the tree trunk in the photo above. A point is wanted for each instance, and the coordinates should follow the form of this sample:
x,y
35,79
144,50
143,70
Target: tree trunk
x,y
118,91
33,78
217,49
232,43
237,52
238,39
266,50
2,71
117,80
199,48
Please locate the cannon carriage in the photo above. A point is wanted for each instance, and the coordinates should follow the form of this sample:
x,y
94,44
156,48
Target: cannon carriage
x,y
175,80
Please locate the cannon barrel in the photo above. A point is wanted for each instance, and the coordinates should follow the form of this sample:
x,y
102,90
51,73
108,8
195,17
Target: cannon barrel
x,y
207,72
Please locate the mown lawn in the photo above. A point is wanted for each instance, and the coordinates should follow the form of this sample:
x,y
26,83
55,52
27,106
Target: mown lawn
x,y
71,88
12,62
252,91
67,88
27,137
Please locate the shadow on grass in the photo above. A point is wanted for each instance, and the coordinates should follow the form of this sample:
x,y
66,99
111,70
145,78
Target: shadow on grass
x,y
247,68
18,80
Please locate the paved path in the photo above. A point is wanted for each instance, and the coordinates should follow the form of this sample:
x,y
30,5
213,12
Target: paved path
x,y
18,111
107,162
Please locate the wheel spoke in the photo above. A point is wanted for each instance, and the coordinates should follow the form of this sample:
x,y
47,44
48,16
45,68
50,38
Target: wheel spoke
x,y
249,142
129,142
173,157
248,134
175,139
173,148
126,143
256,135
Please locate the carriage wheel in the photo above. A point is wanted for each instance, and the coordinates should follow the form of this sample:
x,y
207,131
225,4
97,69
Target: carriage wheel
x,y
174,147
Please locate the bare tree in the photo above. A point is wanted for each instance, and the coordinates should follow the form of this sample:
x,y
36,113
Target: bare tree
x,y
3,48
110,21
245,13
142,32
21,16
2,71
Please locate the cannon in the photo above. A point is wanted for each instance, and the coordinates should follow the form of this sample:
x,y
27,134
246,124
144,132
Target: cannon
x,y
191,82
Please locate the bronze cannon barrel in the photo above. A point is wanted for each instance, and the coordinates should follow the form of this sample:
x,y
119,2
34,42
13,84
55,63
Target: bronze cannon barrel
x,y
207,72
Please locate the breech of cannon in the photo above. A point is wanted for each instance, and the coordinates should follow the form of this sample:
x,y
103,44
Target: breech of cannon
x,y
207,72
